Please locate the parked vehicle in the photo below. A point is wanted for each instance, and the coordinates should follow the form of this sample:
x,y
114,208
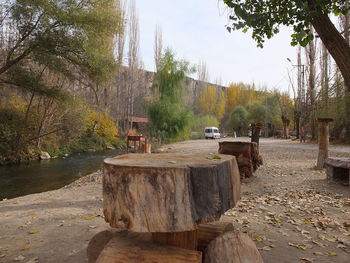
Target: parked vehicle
x,y
211,132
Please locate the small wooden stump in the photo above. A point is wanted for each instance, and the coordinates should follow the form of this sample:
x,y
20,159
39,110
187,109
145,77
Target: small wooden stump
x,y
246,153
232,247
338,169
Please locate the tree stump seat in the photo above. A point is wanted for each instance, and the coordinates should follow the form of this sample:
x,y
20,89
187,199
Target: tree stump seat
x,y
338,169
165,205
246,153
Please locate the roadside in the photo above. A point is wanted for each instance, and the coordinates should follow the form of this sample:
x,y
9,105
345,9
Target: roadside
x,y
289,209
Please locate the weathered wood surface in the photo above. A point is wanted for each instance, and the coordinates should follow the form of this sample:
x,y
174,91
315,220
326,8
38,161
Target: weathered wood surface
x,y
101,239
232,247
323,141
204,235
209,231
132,250
187,239
338,162
168,192
246,153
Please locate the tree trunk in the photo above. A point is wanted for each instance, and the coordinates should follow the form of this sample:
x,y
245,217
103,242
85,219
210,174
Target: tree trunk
x,y
168,192
334,42
311,56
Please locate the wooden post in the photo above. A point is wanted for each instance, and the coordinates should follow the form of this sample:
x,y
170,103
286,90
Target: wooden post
x,y
323,141
256,128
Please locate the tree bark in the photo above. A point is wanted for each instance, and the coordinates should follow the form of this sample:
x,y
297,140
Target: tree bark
x,y
168,192
334,42
232,247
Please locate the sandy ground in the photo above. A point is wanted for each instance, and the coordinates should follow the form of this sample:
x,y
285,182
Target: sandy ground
x,y
288,208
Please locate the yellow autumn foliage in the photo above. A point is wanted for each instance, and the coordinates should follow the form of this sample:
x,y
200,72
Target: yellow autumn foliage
x,y
212,102
101,124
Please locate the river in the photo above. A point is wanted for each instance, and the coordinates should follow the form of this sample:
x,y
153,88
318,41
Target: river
x,y
46,175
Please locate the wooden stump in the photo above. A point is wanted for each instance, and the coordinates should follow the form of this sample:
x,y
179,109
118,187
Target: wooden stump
x,y
232,247
209,231
204,235
132,250
168,192
247,155
101,239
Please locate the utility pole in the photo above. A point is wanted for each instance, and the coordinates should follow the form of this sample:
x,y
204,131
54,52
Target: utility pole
x,y
301,99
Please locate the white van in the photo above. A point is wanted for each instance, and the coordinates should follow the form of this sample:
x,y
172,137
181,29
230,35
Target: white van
x,y
211,132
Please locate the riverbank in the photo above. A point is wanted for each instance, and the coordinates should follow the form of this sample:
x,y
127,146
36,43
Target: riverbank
x,y
280,208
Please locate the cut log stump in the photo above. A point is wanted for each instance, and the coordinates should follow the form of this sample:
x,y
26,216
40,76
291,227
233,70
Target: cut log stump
x,y
232,247
132,250
168,192
246,153
101,239
209,231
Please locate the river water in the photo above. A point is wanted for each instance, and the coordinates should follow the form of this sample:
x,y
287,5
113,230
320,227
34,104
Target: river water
x,y
46,175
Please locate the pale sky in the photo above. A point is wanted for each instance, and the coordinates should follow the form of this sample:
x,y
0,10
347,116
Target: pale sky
x,y
195,30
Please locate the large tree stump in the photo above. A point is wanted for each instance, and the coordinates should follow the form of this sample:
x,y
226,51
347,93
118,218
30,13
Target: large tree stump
x,y
132,250
232,247
168,192
246,153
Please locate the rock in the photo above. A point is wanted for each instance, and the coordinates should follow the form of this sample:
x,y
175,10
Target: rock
x,y
45,156
110,148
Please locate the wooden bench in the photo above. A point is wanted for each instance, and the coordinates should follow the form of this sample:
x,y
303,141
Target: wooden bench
x,y
338,169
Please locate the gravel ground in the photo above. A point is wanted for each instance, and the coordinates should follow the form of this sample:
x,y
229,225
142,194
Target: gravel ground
x,y
288,208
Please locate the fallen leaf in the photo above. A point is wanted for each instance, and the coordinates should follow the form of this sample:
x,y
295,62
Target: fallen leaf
x,y
90,217
308,260
266,248
259,238
341,246
92,227
19,258
172,162
300,246
33,231
26,247
33,260
332,253
2,255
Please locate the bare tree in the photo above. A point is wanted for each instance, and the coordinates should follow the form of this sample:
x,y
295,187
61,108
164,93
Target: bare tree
x,y
158,46
311,58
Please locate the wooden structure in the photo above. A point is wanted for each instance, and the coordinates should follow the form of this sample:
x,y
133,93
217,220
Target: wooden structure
x,y
323,141
166,204
246,153
256,128
338,169
139,143
232,247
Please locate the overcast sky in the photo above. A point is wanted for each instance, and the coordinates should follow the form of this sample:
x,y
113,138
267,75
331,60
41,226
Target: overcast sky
x,y
195,30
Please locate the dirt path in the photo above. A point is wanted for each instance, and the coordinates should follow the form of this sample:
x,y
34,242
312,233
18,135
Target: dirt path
x,y
289,209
